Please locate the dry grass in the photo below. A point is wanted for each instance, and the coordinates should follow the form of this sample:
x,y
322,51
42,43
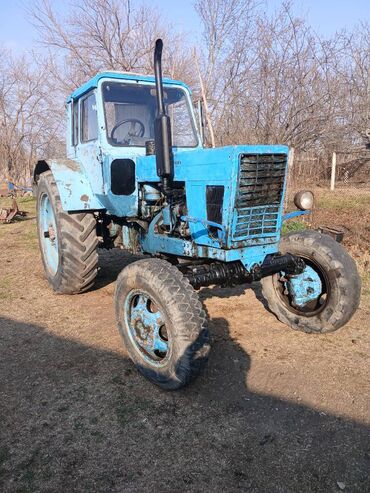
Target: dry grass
x,y
343,199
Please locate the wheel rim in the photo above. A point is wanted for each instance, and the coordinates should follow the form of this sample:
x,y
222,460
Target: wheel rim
x,y
48,234
147,328
314,307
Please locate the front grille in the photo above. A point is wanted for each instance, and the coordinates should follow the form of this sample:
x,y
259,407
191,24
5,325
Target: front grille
x,y
260,191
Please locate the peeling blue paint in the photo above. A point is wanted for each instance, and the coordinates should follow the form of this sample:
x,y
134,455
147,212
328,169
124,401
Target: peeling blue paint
x,y
74,186
305,287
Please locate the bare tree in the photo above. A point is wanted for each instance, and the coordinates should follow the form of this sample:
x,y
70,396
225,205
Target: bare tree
x,y
228,28
270,79
107,35
29,124
353,74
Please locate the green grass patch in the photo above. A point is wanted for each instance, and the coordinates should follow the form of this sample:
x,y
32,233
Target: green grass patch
x,y
26,200
293,226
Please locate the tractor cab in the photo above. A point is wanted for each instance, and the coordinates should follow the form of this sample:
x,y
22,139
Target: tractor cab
x,y
118,110
111,133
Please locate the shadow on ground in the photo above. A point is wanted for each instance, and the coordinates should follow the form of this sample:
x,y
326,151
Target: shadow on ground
x,y
78,418
229,292
111,262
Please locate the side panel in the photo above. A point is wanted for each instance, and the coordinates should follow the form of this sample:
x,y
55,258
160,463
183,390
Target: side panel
x,y
73,186
119,205
199,169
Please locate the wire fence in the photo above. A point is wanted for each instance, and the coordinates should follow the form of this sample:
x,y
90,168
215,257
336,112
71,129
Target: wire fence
x,y
333,172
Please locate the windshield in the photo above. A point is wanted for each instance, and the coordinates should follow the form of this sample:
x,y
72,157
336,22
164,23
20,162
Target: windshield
x,y
130,111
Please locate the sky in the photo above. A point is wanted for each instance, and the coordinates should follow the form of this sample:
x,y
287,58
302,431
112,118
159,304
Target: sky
x,y
325,16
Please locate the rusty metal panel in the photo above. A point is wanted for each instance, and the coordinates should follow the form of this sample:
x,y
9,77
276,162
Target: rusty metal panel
x,y
8,214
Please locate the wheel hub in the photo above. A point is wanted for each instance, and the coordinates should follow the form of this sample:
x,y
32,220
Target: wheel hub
x,y
48,234
52,235
304,287
147,326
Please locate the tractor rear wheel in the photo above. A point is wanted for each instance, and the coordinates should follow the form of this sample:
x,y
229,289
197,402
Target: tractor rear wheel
x,y
325,296
162,322
68,242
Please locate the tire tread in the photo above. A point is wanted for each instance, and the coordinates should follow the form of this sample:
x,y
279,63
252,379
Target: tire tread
x,y
79,242
347,280
189,319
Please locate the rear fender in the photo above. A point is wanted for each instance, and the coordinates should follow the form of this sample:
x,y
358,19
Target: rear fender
x,y
73,186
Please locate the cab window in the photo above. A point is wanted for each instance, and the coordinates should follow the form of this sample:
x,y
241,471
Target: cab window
x,y
130,111
89,119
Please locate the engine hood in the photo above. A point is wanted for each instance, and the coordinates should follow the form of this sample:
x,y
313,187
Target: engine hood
x,y
214,164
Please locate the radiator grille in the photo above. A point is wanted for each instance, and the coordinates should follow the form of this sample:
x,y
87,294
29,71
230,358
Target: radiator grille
x,y
261,184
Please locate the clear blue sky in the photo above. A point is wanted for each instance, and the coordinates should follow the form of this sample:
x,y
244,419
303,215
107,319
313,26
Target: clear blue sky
x,y
325,16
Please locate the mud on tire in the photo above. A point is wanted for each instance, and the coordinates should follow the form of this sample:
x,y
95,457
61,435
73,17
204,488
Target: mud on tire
x,y
77,257
185,321
340,272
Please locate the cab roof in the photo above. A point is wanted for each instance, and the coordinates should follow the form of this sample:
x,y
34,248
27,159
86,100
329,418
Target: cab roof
x,y
93,82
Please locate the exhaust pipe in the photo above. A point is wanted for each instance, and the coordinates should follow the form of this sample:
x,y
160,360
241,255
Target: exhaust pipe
x,y
162,127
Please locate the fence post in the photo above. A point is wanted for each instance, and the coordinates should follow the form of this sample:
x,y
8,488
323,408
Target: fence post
x,y
333,166
289,177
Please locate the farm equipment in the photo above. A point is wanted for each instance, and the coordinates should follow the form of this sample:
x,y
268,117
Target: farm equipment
x,y
8,214
137,175
9,189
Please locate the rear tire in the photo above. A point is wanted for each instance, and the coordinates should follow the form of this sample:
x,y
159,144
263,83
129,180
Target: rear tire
x,y
338,273
68,242
153,296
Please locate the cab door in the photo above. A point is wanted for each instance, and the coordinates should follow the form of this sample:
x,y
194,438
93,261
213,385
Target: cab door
x,y
88,146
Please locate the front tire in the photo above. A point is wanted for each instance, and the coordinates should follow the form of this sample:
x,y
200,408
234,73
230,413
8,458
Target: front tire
x,y
162,323
336,272
68,242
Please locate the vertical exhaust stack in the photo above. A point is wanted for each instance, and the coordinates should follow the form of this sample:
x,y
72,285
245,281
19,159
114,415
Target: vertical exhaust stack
x,y
162,126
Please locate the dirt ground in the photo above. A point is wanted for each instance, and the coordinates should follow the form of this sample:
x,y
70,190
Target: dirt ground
x,y
274,411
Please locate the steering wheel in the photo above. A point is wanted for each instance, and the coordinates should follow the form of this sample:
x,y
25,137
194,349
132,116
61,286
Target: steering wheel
x,y
137,129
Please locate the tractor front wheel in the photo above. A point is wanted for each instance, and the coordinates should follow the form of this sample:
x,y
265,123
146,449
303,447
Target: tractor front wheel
x,y
162,323
325,296
68,242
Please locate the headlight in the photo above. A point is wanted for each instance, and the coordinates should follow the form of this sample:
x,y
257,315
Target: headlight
x,y
304,200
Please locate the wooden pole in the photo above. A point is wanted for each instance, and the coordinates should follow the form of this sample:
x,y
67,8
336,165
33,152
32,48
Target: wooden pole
x,y
209,123
289,173
333,166
200,120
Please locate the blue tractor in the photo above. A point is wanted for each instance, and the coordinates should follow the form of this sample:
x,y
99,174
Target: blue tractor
x,y
137,177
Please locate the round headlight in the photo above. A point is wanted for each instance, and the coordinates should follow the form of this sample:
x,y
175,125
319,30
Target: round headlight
x,y
304,200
